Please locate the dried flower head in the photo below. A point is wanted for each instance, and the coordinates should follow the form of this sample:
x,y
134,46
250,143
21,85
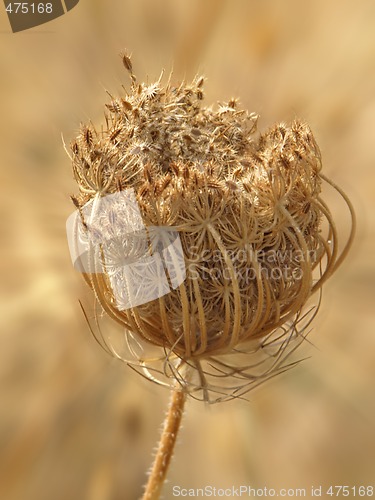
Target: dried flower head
x,y
257,239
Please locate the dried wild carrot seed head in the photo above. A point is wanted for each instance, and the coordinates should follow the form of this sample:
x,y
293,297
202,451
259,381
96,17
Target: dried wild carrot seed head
x,y
255,238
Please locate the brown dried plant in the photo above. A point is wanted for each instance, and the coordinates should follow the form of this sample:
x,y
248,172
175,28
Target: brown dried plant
x,y
257,237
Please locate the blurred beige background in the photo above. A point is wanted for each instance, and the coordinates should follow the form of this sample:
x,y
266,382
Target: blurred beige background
x,y
73,422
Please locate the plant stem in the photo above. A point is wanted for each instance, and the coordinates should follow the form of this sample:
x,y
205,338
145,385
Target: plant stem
x,y
166,445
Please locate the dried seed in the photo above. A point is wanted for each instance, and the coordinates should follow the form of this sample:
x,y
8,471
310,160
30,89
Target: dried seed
x,y
166,181
175,168
85,163
231,185
144,191
188,139
113,107
247,187
126,60
96,153
306,208
154,134
200,81
75,201
245,163
78,207
186,173
87,134
126,104
75,148
196,131
115,133
147,174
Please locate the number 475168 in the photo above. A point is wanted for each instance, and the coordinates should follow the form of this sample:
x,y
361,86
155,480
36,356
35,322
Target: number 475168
x,y
345,491
26,8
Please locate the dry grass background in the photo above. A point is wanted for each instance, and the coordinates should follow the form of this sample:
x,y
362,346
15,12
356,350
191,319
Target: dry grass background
x,y
73,422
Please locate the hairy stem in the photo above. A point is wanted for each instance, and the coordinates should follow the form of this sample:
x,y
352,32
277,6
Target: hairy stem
x,y
166,445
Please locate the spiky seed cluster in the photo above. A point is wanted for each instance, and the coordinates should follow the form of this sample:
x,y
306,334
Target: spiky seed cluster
x,y
247,209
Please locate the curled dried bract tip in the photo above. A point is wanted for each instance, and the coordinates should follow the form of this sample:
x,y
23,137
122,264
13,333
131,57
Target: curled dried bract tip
x,y
257,238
